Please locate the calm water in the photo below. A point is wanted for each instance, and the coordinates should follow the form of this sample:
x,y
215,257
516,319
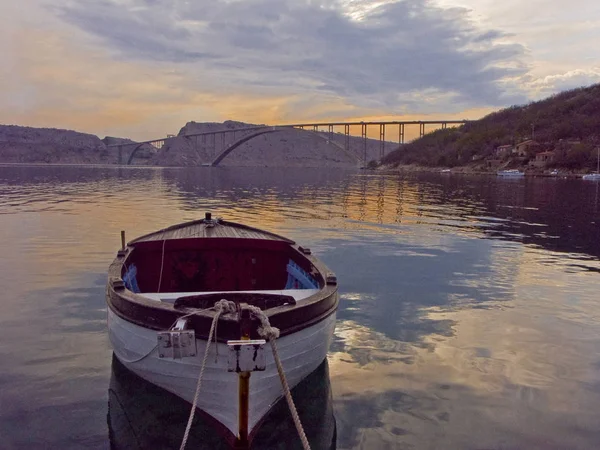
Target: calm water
x,y
469,314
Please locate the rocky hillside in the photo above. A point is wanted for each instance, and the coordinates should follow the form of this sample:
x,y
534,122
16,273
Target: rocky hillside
x,y
571,115
289,148
50,145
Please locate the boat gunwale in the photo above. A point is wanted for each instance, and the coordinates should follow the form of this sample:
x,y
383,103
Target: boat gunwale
x,y
151,314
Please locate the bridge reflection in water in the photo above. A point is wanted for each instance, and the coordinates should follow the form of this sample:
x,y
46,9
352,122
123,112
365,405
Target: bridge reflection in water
x,y
144,416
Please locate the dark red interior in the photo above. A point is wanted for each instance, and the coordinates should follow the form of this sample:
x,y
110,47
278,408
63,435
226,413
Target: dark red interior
x,y
216,264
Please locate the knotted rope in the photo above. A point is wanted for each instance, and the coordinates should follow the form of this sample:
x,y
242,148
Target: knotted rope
x,y
271,334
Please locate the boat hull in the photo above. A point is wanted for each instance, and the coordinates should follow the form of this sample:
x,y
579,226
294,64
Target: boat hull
x,y
301,353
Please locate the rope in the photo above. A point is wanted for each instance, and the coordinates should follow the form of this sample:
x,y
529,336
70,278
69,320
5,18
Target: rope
x,y
220,307
162,262
271,334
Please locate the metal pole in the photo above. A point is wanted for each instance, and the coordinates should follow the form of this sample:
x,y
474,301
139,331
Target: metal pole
x,y
244,402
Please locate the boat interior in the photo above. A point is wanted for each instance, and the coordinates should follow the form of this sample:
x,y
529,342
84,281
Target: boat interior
x,y
168,270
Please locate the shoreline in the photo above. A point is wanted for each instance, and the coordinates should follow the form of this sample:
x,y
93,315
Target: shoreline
x,y
468,170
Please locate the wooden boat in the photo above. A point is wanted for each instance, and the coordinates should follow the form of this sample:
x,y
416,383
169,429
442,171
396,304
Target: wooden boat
x,y
161,291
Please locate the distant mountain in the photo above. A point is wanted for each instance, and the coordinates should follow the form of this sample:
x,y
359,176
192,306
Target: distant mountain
x,y
50,145
568,116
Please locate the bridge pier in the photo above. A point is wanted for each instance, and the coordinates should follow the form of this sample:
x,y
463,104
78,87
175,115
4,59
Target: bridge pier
x,y
331,132
381,140
421,129
363,131
347,137
401,133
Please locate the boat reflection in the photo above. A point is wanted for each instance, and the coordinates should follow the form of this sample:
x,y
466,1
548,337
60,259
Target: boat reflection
x,y
144,416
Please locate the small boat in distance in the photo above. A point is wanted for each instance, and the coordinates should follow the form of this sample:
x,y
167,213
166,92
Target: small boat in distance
x,y
510,173
594,176
164,295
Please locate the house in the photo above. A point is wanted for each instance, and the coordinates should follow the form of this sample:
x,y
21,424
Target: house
x,y
524,148
503,150
543,159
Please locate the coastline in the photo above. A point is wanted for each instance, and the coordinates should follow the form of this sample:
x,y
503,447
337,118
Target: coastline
x,y
470,170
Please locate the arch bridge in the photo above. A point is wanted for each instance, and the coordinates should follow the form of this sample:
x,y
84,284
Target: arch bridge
x,y
222,142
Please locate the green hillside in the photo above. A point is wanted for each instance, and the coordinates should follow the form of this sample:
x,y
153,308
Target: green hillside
x,y
573,115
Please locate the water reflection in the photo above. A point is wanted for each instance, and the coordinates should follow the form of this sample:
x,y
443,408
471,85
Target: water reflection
x,y
469,314
143,416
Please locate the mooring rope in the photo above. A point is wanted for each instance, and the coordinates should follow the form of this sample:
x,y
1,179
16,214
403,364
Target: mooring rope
x,y
271,334
162,264
222,306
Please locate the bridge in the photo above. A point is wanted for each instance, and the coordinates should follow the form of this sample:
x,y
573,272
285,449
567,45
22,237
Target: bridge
x,y
223,142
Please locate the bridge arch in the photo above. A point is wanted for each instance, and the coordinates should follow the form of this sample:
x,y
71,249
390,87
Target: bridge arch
x,y
240,141
338,145
137,147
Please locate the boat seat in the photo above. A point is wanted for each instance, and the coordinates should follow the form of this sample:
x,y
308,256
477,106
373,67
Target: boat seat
x,y
170,297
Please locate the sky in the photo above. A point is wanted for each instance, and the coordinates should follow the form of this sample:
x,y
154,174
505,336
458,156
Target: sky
x,y
143,68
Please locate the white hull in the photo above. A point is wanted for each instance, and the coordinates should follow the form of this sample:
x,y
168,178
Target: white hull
x,y
592,177
510,173
300,353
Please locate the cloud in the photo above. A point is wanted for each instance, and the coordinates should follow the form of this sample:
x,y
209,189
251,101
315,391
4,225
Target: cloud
x,y
398,56
564,81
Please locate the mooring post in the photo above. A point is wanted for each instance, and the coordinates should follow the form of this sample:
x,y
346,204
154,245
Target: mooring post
x,y
122,239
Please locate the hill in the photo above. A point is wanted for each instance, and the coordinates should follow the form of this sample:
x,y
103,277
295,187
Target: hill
x,y
571,117
50,145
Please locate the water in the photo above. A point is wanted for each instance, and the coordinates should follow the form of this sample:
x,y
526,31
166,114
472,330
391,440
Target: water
x,y
469,314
